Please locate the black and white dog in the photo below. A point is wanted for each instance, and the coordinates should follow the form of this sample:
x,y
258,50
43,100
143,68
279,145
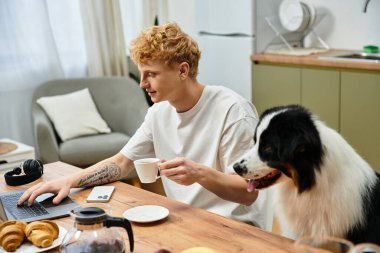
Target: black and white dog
x,y
325,188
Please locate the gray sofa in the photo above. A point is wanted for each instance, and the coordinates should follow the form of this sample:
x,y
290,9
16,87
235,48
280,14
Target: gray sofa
x,y
119,100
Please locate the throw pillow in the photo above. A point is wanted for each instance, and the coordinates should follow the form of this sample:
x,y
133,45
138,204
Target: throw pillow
x,y
74,114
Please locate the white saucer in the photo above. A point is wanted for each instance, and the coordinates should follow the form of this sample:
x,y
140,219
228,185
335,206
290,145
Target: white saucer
x,y
147,213
28,247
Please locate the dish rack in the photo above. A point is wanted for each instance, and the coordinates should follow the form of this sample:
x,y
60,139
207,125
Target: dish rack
x,y
293,41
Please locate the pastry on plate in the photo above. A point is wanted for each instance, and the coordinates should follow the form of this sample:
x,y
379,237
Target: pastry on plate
x,y
12,234
42,233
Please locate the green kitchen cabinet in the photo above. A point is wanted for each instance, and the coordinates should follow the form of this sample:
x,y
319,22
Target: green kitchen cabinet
x,y
346,100
320,94
360,113
275,86
316,89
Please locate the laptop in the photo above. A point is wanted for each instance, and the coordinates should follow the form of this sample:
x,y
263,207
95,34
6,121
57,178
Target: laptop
x,y
42,208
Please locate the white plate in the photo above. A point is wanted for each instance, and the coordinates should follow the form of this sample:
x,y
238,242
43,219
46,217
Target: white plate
x,y
313,12
147,213
28,247
291,14
296,15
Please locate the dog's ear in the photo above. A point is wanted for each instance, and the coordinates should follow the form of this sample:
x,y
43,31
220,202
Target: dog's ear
x,y
300,163
287,149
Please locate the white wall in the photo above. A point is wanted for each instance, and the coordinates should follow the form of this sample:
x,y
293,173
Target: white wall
x,y
345,25
182,12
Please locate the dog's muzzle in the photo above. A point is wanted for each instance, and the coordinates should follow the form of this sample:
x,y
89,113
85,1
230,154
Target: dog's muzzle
x,y
240,167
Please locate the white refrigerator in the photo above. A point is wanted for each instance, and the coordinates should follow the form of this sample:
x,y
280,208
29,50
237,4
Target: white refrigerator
x,y
229,32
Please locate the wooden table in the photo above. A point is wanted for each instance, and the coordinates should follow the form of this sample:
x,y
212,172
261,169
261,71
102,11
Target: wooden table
x,y
185,226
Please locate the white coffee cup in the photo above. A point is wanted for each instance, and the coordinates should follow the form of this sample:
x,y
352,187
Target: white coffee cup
x,y
147,169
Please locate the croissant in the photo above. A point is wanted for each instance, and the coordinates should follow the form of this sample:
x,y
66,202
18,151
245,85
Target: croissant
x,y
12,234
42,233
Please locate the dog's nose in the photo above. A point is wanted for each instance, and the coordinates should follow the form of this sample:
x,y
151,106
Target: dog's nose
x,y
240,168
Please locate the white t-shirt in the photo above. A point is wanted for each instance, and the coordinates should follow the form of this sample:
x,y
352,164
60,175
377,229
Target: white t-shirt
x,y
215,132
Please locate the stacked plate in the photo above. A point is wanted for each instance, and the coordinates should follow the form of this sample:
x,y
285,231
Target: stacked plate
x,y
296,15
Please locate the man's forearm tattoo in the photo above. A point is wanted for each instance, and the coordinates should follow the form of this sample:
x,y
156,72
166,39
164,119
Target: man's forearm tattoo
x,y
106,174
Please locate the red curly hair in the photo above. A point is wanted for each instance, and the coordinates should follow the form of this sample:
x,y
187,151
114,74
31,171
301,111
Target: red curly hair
x,y
167,43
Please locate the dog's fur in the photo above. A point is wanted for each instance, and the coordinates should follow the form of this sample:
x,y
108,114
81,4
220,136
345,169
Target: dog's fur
x,y
325,188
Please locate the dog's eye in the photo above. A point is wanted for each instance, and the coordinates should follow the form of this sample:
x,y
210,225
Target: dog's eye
x,y
300,148
268,150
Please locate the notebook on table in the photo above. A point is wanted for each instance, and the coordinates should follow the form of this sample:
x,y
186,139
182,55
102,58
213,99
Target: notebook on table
x,y
42,208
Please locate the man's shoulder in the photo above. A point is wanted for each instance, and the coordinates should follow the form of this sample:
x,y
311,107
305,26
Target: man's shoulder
x,y
226,93
230,100
220,89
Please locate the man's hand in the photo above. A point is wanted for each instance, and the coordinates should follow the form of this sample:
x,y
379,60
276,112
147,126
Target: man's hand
x,y
229,187
181,170
61,188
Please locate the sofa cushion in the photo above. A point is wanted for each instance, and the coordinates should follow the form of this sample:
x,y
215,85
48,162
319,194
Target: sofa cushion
x,y
74,114
88,150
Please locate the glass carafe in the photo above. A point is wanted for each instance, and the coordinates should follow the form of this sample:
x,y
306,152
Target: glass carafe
x,y
309,244
93,232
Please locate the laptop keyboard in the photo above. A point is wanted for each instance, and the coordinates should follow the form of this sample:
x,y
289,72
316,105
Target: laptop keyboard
x,y
24,211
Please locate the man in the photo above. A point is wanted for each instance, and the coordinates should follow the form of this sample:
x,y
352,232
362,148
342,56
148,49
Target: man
x,y
198,131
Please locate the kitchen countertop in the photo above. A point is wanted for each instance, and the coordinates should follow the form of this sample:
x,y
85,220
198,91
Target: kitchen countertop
x,y
313,60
